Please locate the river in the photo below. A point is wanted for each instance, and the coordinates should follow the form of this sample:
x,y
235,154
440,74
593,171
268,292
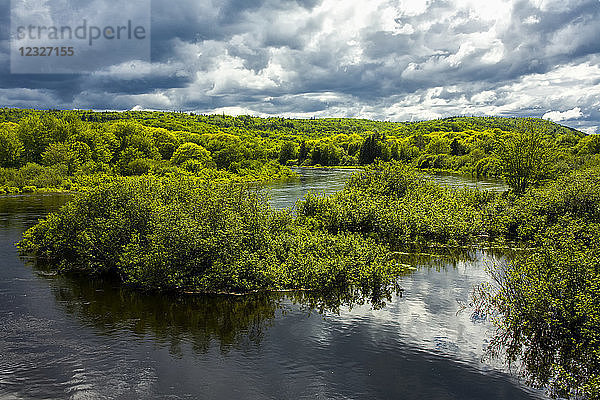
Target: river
x,y
66,337
327,181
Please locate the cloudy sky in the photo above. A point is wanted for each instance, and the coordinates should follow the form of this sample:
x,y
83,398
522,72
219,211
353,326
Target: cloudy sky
x,y
378,59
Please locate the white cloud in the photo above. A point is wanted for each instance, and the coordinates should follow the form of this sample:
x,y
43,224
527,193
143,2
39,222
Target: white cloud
x,y
484,97
383,59
557,116
531,20
148,101
590,130
238,111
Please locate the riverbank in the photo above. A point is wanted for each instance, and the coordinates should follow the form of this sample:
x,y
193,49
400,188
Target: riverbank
x,y
67,335
82,183
171,235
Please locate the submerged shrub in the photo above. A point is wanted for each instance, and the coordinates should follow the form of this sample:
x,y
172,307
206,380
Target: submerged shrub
x,y
548,303
528,217
398,206
183,234
548,300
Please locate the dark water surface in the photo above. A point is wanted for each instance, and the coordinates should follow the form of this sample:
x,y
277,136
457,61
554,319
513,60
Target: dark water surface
x,y
64,337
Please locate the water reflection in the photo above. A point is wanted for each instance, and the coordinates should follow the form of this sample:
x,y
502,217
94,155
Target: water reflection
x,y
421,304
22,211
66,337
296,344
323,181
229,321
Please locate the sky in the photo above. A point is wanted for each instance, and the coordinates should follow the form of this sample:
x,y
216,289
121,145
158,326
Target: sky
x,y
375,59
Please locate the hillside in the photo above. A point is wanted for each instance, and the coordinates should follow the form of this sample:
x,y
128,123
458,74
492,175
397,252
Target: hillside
x,y
52,148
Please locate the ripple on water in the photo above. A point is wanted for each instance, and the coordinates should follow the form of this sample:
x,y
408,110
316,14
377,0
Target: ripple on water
x,y
73,339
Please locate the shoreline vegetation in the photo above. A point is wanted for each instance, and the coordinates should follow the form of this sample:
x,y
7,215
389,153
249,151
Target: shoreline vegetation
x,y
166,205
75,149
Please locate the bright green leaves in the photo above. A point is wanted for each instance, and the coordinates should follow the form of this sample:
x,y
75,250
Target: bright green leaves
x,y
525,157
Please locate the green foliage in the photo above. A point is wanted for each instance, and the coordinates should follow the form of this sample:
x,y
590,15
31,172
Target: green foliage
x,y
69,146
10,145
190,235
588,145
326,153
169,130
302,152
524,158
547,300
440,145
32,175
400,207
33,133
373,148
549,303
531,216
287,152
189,228
141,142
71,155
191,151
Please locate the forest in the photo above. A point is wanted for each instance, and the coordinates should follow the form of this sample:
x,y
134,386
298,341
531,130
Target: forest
x,y
165,207
69,150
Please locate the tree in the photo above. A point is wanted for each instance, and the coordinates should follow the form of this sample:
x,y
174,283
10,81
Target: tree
x,y
589,144
326,153
524,157
302,152
438,145
10,145
191,151
72,155
457,148
287,152
370,149
33,132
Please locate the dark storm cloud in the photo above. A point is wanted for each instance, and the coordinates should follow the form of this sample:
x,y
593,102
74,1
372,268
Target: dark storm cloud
x,y
381,59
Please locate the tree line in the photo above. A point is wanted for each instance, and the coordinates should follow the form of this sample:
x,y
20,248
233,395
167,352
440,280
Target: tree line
x,y
49,148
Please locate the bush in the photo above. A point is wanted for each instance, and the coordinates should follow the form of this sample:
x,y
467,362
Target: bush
x,y
528,217
549,308
400,207
182,234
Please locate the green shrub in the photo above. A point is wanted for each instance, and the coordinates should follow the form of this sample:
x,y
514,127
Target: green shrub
x,y
548,311
398,206
186,234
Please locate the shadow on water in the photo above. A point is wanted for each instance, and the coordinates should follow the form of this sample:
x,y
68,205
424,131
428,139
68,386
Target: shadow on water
x,y
70,337
229,320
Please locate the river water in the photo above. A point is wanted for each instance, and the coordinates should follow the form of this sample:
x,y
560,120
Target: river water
x,y
327,181
64,337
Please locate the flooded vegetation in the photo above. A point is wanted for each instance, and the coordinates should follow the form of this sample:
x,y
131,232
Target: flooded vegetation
x,y
195,228
69,336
